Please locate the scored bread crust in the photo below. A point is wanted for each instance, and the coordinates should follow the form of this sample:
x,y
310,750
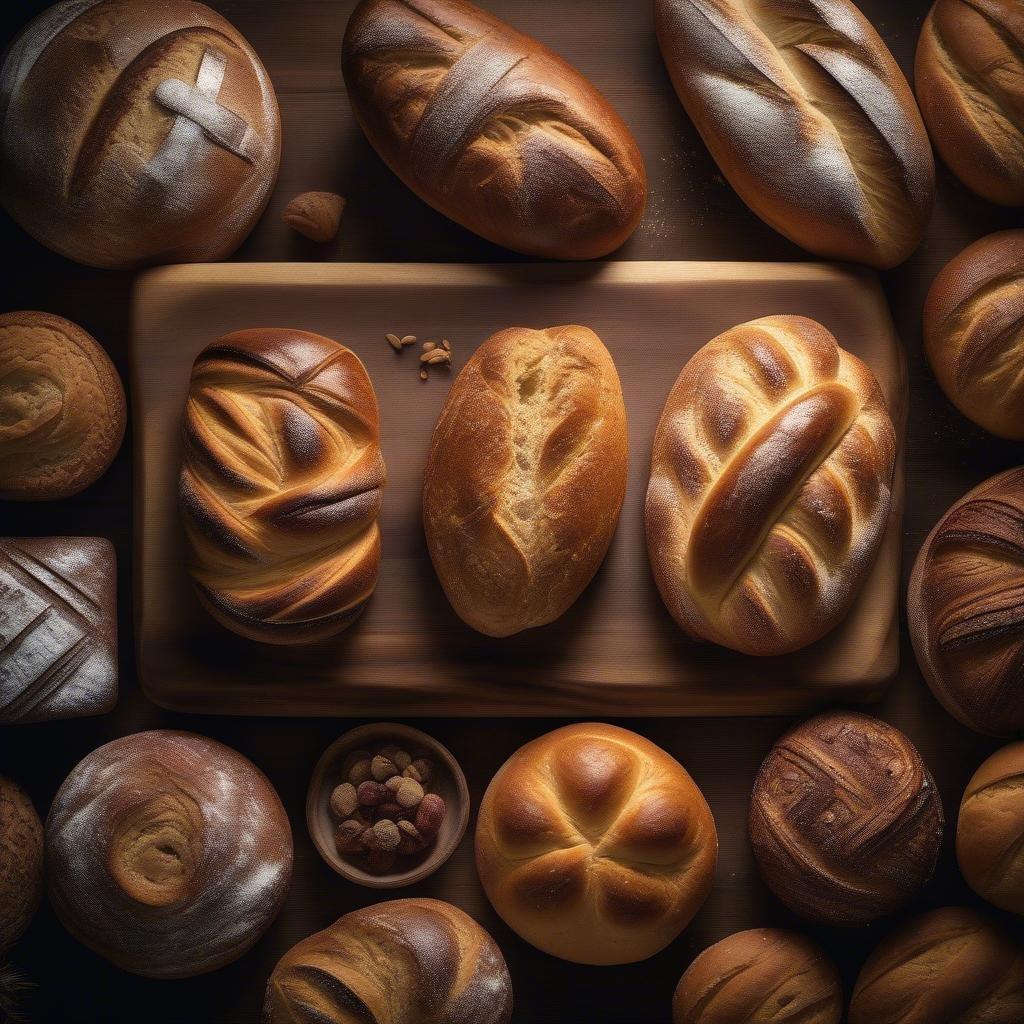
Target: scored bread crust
x,y
771,478
526,477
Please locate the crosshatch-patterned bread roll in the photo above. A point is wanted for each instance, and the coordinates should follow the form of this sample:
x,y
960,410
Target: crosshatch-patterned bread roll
x,y
281,484
526,477
761,976
969,77
845,820
399,962
949,966
167,853
595,845
965,607
770,487
809,117
492,128
974,332
135,133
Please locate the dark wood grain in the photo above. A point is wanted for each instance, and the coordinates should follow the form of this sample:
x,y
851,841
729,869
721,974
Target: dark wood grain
x,y
692,214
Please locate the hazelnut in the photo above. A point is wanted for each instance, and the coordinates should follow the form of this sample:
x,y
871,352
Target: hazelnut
x,y
317,215
386,835
360,771
409,793
430,815
372,793
411,841
382,768
344,800
425,767
347,836
379,862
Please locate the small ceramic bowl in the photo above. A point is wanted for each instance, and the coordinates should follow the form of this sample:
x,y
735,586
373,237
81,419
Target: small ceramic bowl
x,y
448,782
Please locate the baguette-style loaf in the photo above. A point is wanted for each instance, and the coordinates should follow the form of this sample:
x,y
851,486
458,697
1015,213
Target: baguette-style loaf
x,y
809,118
526,477
770,486
281,484
492,128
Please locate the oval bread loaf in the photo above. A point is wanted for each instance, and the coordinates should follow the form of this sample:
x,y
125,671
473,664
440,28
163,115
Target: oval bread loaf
x,y
809,118
492,128
770,486
526,477
21,863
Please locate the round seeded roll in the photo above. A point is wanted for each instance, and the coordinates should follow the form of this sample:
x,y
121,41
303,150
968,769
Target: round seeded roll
x,y
965,606
949,966
969,77
21,862
400,962
770,488
845,821
167,853
595,845
990,829
974,332
761,976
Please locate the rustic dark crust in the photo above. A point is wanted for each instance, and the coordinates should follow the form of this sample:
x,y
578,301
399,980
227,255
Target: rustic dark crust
x,y
21,862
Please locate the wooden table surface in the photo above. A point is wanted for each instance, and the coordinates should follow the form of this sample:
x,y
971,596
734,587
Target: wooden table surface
x,y
691,214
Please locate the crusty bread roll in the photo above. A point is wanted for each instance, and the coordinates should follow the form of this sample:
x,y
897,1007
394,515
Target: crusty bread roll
x,y
949,966
21,862
974,332
167,853
964,606
400,962
595,845
761,976
771,478
135,133
969,77
526,477
990,829
281,484
809,118
492,129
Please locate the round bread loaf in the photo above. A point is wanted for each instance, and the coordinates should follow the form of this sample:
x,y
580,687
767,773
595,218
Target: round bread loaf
x,y
167,853
969,77
845,820
21,862
761,976
399,962
771,478
990,830
62,408
965,607
281,484
974,332
949,966
134,133
595,845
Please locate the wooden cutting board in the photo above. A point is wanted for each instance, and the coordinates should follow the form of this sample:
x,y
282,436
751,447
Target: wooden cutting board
x,y
617,651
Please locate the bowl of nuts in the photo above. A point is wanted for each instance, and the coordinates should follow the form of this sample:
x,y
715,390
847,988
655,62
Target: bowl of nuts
x,y
387,805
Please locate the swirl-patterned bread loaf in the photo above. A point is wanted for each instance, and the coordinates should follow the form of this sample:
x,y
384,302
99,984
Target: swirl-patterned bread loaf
x,y
281,484
595,845
526,477
492,129
167,853
770,487
400,962
965,607
809,118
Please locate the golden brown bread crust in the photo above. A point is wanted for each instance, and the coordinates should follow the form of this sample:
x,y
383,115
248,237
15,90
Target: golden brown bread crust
x,y
526,477
595,845
399,962
949,966
990,830
845,821
492,128
62,408
969,78
974,332
135,133
770,486
281,484
965,607
810,119
761,976
21,862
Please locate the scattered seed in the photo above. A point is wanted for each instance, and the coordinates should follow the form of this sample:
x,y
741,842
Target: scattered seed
x,y
409,339
446,345
394,341
429,346
423,375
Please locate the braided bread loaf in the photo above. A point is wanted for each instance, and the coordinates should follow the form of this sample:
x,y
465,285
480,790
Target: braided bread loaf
x,y
400,962
281,484
770,486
